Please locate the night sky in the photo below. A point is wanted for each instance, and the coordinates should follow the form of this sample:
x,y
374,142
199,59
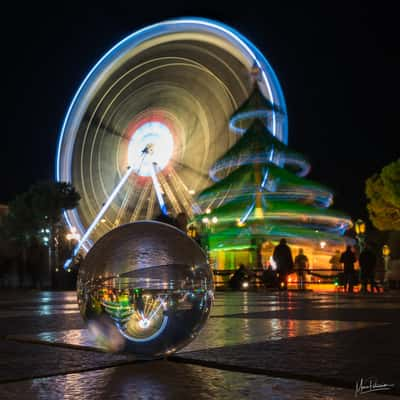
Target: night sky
x,y
338,64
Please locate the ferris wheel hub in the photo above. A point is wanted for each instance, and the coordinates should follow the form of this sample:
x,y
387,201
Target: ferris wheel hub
x,y
144,323
151,143
149,149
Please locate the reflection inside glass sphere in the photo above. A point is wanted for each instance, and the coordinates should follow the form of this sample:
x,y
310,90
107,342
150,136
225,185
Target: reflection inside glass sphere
x,y
145,287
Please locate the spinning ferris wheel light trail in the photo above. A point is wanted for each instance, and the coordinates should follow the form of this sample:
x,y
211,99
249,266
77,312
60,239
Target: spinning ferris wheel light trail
x,y
103,210
165,93
157,188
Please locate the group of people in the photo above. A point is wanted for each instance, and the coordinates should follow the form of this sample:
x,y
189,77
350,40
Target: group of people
x,y
240,275
367,261
285,265
282,256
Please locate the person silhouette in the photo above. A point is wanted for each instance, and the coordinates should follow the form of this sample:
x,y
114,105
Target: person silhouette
x,y
237,278
284,262
335,260
301,263
367,262
348,258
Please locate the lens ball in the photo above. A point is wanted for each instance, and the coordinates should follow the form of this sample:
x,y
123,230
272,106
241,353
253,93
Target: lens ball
x,y
146,288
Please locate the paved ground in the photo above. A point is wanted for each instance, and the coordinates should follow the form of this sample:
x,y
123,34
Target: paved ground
x,y
255,345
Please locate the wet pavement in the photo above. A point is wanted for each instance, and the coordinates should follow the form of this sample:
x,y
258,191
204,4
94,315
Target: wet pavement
x,y
168,380
255,345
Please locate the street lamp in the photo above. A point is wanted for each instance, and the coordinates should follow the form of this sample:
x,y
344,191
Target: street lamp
x,y
46,238
205,221
386,258
73,235
360,228
192,232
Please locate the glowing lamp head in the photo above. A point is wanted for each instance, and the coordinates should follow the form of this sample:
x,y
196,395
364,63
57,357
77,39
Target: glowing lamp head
x,y
359,227
245,285
386,250
192,232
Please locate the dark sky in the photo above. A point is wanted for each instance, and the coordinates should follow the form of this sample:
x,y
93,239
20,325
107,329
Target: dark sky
x,y
338,64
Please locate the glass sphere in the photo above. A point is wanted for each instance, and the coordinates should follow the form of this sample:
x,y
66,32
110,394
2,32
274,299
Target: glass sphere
x,y
145,287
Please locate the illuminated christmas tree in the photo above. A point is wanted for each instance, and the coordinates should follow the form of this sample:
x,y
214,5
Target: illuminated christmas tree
x,y
260,195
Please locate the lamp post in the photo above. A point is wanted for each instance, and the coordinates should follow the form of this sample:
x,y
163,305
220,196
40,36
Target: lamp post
x,y
360,228
73,237
209,222
386,258
192,232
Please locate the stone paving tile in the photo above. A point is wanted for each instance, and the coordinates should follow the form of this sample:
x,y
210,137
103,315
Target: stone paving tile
x,y
333,358
30,313
26,360
369,306
33,324
339,314
218,332
223,311
21,297
166,380
51,306
221,332
297,319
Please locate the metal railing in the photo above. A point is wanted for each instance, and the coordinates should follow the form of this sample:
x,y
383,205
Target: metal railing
x,y
323,276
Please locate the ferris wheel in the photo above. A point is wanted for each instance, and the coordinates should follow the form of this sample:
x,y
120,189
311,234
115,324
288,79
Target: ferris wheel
x,y
151,118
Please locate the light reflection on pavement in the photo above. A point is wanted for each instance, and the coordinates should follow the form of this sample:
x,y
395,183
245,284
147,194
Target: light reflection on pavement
x,y
218,332
242,320
167,380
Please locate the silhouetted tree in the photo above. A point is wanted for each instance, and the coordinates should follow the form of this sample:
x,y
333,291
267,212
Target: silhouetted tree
x,y
383,194
35,216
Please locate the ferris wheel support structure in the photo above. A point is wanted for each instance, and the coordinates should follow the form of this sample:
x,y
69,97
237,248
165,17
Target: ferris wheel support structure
x,y
128,173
